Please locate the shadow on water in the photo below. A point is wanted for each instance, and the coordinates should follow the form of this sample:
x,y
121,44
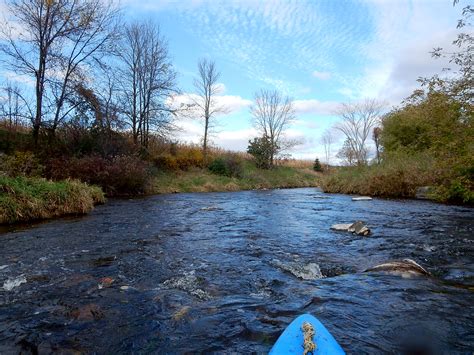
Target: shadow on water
x,y
228,271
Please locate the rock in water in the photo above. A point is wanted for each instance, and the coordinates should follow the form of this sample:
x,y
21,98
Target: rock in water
x,y
405,268
189,283
310,271
343,227
358,228
362,198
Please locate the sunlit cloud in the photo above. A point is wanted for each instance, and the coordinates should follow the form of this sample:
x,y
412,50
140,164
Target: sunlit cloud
x,y
321,75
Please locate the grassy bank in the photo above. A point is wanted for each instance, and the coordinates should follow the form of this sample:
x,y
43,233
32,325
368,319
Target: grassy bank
x,y
63,178
201,180
400,178
24,199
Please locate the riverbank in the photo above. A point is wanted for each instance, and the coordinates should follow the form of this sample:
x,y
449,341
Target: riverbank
x,y
25,199
201,180
399,179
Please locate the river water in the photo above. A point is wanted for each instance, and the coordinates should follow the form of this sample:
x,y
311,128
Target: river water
x,y
226,272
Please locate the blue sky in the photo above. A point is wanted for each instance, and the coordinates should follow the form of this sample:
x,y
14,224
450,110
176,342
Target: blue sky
x,y
320,53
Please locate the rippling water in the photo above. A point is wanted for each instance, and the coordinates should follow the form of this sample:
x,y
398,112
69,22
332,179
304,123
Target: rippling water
x,y
228,271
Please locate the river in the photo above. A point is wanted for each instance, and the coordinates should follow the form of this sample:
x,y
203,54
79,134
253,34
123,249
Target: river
x,y
226,272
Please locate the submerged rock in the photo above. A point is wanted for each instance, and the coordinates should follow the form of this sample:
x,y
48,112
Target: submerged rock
x,y
405,268
362,198
188,283
105,282
87,312
309,271
180,314
358,228
10,284
210,208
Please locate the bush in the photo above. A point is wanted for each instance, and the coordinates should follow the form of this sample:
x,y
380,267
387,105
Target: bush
x,y
184,158
229,165
190,157
458,190
261,150
21,164
166,162
24,199
317,166
121,175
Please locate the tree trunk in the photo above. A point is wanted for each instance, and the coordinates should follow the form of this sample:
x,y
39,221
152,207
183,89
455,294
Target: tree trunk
x,y
204,147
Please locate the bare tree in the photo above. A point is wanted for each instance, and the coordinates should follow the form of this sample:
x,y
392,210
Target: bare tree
x,y
56,43
357,121
14,110
347,154
272,114
376,138
327,140
148,79
14,106
206,99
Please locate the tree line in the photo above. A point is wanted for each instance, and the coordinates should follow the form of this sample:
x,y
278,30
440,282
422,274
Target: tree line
x,y
87,69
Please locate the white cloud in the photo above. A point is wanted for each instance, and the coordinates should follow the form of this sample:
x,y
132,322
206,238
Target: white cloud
x,y
315,107
18,78
236,140
321,75
231,103
250,34
399,51
221,88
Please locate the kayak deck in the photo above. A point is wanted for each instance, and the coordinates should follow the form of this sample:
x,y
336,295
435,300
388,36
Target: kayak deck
x,y
291,340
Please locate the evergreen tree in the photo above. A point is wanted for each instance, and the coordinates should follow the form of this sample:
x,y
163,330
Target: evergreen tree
x,y
317,166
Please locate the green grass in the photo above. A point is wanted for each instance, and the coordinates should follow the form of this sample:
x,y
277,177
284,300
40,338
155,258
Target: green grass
x,y
24,199
201,180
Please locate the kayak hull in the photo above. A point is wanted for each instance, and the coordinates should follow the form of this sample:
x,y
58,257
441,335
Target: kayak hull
x,y
291,340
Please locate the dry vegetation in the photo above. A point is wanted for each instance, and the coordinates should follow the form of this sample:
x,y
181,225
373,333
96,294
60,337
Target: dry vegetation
x,y
69,179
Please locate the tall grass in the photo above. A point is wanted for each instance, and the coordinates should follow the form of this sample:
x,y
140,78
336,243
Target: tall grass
x,y
396,177
24,199
202,180
400,176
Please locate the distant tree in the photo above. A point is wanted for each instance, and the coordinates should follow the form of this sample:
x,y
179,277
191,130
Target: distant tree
x,y
357,121
261,150
14,107
347,154
147,81
376,138
205,101
327,140
57,42
317,166
272,114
